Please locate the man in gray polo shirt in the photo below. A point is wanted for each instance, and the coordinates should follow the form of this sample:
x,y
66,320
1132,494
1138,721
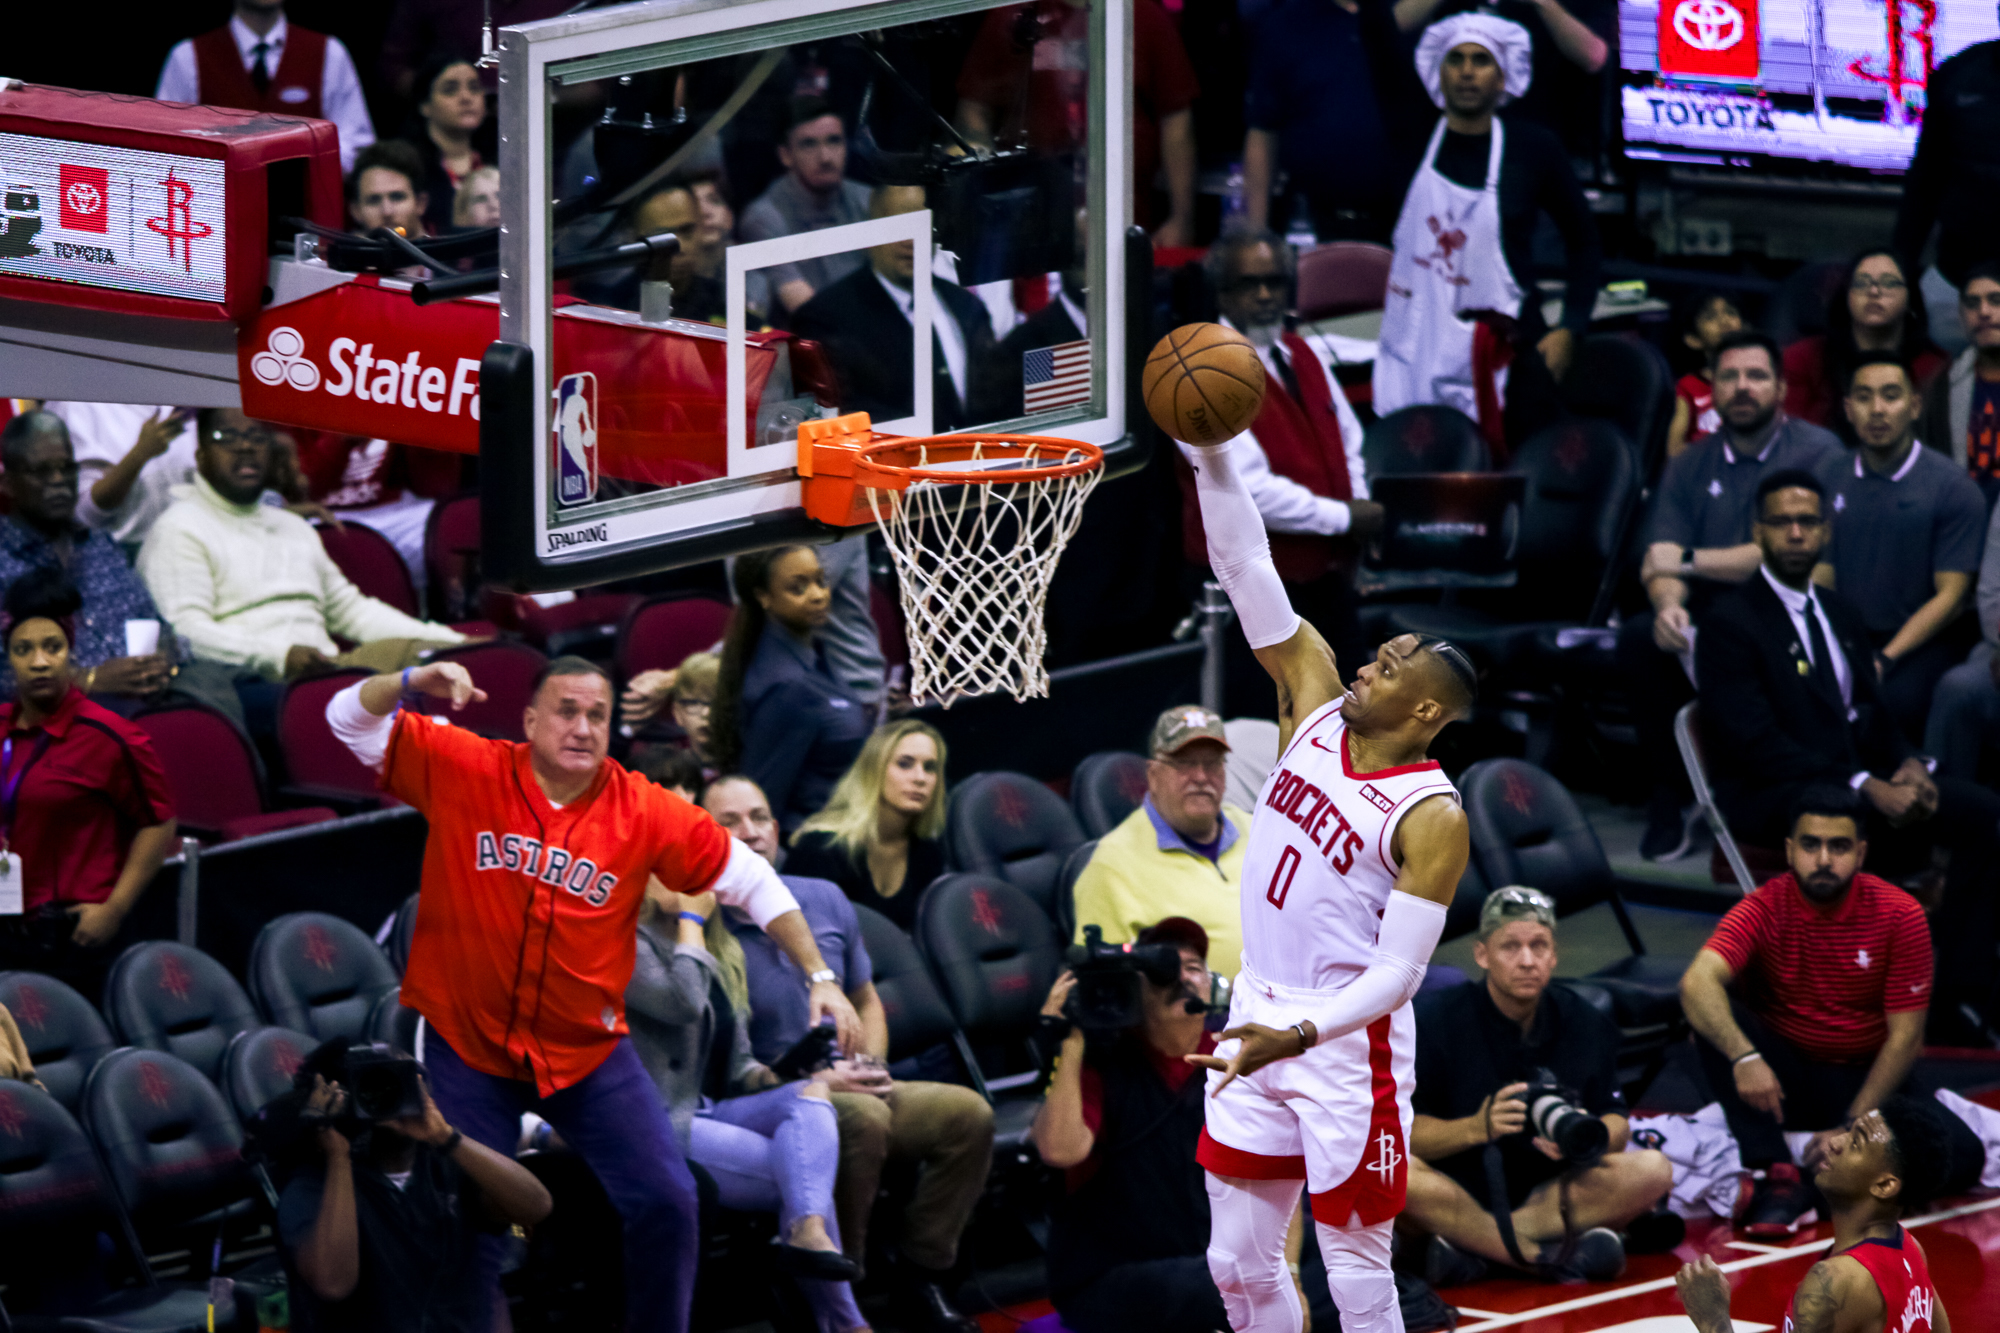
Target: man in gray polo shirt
x,y
1907,527
1698,544
812,195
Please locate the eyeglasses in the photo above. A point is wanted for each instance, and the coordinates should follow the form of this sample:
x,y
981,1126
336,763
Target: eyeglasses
x,y
695,705
242,439
1877,286
1256,282
47,472
1515,899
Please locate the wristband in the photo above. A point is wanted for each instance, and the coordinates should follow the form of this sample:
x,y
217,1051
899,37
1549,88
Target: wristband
x,y
1750,1055
695,917
824,974
450,1145
1305,1042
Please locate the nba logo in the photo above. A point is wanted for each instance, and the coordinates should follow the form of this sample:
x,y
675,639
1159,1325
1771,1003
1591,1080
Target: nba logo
x,y
575,427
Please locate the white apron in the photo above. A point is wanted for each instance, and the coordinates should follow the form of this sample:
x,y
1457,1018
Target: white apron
x,y
1448,266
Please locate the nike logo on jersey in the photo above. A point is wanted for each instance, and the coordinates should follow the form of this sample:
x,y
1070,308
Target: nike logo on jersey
x,y
548,865
1314,812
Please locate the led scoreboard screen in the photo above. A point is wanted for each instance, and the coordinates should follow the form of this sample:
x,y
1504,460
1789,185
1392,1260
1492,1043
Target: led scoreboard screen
x,y
105,216
1739,83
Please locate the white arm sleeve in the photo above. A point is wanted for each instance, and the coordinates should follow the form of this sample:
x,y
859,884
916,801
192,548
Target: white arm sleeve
x,y
749,882
1283,504
1239,551
357,728
1411,927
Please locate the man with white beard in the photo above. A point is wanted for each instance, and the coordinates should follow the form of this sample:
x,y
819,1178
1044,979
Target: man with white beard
x,y
1301,458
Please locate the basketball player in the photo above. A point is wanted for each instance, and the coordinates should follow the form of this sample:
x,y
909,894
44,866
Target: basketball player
x,y
537,860
1875,1278
1356,847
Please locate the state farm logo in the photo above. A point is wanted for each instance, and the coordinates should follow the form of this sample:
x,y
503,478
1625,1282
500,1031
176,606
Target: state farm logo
x,y
1708,25
282,362
85,193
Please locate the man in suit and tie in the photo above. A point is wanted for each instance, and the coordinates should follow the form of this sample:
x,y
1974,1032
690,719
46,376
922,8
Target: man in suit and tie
x,y
864,322
1789,700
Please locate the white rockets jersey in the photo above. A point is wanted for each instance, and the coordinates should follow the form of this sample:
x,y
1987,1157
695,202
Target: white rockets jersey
x,y
1318,871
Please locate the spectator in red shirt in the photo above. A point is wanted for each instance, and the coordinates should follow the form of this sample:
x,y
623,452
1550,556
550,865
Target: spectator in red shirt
x,y
1876,310
1710,317
84,805
1128,1245
1810,999
1027,80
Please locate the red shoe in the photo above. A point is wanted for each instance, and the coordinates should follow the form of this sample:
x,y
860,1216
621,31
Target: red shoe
x,y
1780,1206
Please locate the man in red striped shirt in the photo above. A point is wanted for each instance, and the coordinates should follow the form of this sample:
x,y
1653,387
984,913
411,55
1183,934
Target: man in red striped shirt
x,y
1810,996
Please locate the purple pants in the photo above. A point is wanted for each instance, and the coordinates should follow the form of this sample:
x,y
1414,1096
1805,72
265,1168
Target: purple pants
x,y
613,1119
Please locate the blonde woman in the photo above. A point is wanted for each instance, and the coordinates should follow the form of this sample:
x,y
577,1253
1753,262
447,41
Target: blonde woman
x,y
879,837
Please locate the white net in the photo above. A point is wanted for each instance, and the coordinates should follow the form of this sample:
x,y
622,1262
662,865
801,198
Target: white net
x,y
974,562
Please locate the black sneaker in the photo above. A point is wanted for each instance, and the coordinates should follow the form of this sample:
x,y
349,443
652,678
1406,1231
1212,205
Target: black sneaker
x,y
1423,1309
1779,1206
1669,830
1597,1256
923,1307
1445,1265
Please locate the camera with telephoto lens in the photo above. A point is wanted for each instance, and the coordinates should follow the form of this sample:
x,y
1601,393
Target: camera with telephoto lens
x,y
1554,1115
1107,996
382,1085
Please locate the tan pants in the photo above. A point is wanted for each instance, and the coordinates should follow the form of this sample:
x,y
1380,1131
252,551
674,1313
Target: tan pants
x,y
387,654
946,1128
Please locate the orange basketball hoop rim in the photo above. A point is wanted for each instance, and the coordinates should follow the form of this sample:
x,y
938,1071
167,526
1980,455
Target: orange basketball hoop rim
x,y
842,459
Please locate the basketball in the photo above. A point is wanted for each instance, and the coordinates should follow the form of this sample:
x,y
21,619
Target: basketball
x,y
1203,383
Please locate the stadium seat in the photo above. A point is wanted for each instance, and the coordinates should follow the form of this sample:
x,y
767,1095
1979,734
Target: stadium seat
x,y
168,997
1342,278
1462,917
397,946
171,1146
53,1188
371,563
994,953
659,632
1105,787
390,1022
318,974
64,1035
919,1019
585,622
886,610
451,559
506,671
317,765
216,775
1424,439
1731,861
1627,382
1012,827
258,1065
1065,895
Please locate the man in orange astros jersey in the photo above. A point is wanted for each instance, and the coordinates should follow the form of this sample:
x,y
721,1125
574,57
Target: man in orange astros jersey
x,y
537,862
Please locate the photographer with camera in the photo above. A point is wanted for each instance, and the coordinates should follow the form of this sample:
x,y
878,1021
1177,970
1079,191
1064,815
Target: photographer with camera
x,y
381,1234
1520,1123
1127,1245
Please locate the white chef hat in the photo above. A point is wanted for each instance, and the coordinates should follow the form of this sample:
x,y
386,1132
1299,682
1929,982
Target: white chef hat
x,y
1508,41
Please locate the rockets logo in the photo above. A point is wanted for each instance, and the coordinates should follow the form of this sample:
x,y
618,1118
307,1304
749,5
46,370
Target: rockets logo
x,y
984,914
176,221
1388,1156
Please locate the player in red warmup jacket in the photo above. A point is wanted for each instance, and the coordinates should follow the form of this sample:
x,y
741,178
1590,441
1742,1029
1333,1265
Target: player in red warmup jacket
x,y
1874,1279
537,861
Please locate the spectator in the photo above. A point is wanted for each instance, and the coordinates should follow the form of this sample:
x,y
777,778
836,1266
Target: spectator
x,y
1908,528
1571,44
1301,458
1181,852
259,62
1480,1046
1953,184
420,29
386,189
676,770
865,319
1128,1243
693,270
1965,711
1810,999
1961,414
1875,310
89,813
477,203
769,1145
946,1128
1315,113
812,195
42,533
1494,179
252,590
1711,317
384,486
447,131
780,715
381,1231
1788,703
1699,539
1025,82
129,456
687,694
880,836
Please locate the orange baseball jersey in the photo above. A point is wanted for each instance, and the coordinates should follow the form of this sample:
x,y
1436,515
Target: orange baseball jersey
x,y
529,918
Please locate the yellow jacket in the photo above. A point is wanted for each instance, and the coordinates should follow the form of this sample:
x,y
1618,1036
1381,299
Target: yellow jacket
x,y
1142,872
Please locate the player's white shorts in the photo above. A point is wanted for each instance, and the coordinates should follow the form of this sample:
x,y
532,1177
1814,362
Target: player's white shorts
x,y
1337,1117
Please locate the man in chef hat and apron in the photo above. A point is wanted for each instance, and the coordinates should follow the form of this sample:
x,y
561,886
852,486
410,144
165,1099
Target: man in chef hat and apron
x,y
1459,317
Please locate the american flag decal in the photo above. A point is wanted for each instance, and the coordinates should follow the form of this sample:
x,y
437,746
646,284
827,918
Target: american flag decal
x,y
1053,377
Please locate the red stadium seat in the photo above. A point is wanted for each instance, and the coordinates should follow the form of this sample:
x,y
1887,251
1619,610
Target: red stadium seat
x,y
887,613
317,764
506,671
371,564
451,558
1342,278
217,780
660,632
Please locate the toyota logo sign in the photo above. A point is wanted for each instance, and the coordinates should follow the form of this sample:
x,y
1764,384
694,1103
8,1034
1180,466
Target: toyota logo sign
x,y
1708,25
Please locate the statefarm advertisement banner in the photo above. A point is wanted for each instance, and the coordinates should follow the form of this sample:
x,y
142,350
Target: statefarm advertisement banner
x,y
122,218
361,359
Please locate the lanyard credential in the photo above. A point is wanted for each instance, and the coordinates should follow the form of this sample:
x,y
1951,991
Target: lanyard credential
x,y
10,795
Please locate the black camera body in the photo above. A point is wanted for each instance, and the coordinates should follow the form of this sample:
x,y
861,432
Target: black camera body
x,y
1554,1115
382,1085
1107,996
